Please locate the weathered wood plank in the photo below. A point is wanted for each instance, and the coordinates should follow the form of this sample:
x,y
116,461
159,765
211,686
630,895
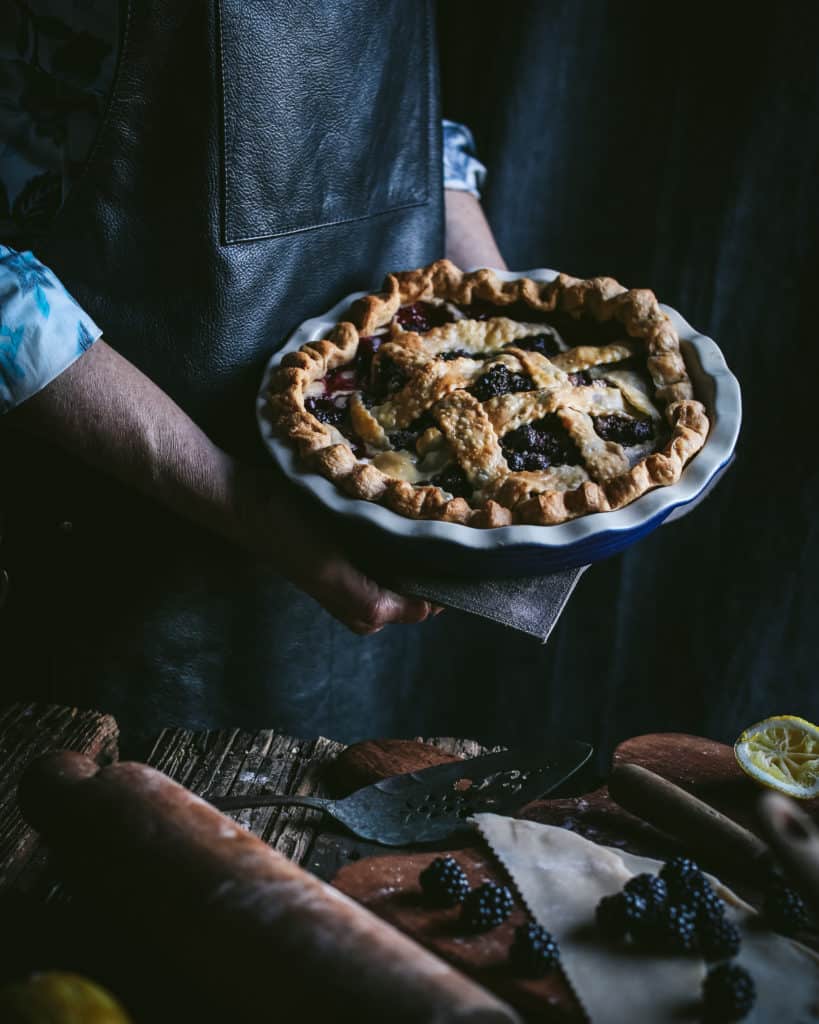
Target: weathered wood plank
x,y
27,731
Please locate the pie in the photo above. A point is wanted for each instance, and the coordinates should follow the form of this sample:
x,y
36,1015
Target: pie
x,y
473,400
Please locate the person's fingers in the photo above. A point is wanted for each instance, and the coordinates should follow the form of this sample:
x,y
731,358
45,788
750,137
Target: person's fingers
x,y
359,602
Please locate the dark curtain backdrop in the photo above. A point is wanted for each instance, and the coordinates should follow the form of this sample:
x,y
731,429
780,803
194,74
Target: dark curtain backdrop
x,y
676,151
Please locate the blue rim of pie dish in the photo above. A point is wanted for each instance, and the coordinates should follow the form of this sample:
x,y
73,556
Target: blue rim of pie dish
x,y
520,550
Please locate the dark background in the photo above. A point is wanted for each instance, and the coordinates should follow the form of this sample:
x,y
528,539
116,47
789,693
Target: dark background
x,y
678,154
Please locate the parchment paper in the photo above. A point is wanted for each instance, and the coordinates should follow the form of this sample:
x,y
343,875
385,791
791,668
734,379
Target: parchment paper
x,y
561,877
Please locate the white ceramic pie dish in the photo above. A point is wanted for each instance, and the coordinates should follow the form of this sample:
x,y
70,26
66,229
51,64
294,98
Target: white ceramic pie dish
x,y
432,545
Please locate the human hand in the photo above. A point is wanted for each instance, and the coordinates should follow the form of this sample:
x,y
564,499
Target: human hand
x,y
293,535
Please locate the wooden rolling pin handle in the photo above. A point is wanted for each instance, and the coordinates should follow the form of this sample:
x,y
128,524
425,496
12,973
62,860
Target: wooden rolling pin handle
x,y
695,823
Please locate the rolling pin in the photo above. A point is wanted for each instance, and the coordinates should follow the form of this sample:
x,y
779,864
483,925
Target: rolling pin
x,y
241,917
699,826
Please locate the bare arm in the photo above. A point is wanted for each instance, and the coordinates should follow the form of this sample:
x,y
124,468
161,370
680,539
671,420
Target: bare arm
x,y
108,413
469,239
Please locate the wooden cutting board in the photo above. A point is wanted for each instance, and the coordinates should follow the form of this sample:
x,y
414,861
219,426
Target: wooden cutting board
x,y
388,885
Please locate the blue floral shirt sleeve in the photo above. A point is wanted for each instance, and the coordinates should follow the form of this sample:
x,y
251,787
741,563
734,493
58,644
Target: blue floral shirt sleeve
x,y
42,329
463,171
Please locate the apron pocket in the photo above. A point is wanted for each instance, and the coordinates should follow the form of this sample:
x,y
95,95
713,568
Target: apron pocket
x,y
325,112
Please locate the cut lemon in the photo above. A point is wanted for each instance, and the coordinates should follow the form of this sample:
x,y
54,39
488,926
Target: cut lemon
x,y
782,753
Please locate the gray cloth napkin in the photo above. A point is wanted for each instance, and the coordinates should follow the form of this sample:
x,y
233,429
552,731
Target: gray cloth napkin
x,y
531,604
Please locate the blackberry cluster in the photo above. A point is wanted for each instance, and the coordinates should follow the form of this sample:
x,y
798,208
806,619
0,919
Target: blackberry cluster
x,y
784,909
534,951
623,429
500,380
486,907
677,911
444,882
728,992
539,445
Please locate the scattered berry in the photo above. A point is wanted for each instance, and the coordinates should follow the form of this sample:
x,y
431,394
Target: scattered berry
x,y
707,906
444,882
784,909
719,939
499,380
623,429
621,915
487,906
728,992
674,930
534,951
651,888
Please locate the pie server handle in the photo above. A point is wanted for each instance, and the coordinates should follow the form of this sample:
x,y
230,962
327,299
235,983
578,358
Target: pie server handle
x,y
236,803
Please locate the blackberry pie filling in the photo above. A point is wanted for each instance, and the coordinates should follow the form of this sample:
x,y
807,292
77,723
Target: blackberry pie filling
x,y
458,397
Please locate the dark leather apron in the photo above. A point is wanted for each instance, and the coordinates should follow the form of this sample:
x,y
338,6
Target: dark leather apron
x,y
258,161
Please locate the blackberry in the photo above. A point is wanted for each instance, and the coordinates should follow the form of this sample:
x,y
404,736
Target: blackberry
x,y
784,909
623,429
621,915
546,344
391,377
719,939
499,380
444,882
403,439
516,461
327,410
728,992
652,889
683,879
581,379
422,316
674,930
453,479
523,439
708,907
534,951
457,353
486,907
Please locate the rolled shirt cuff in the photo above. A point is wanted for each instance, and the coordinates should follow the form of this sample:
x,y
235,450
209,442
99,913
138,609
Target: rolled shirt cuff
x,y
463,170
43,330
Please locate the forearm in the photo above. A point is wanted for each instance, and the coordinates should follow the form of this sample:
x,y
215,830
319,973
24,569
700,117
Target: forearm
x,y
108,413
469,238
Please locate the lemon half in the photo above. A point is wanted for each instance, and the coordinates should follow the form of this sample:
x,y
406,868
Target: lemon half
x,y
59,997
783,753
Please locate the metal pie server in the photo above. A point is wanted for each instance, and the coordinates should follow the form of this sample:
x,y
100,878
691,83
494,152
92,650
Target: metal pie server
x,y
428,805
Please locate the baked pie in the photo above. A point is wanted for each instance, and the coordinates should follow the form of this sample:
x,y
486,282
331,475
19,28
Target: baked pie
x,y
484,402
